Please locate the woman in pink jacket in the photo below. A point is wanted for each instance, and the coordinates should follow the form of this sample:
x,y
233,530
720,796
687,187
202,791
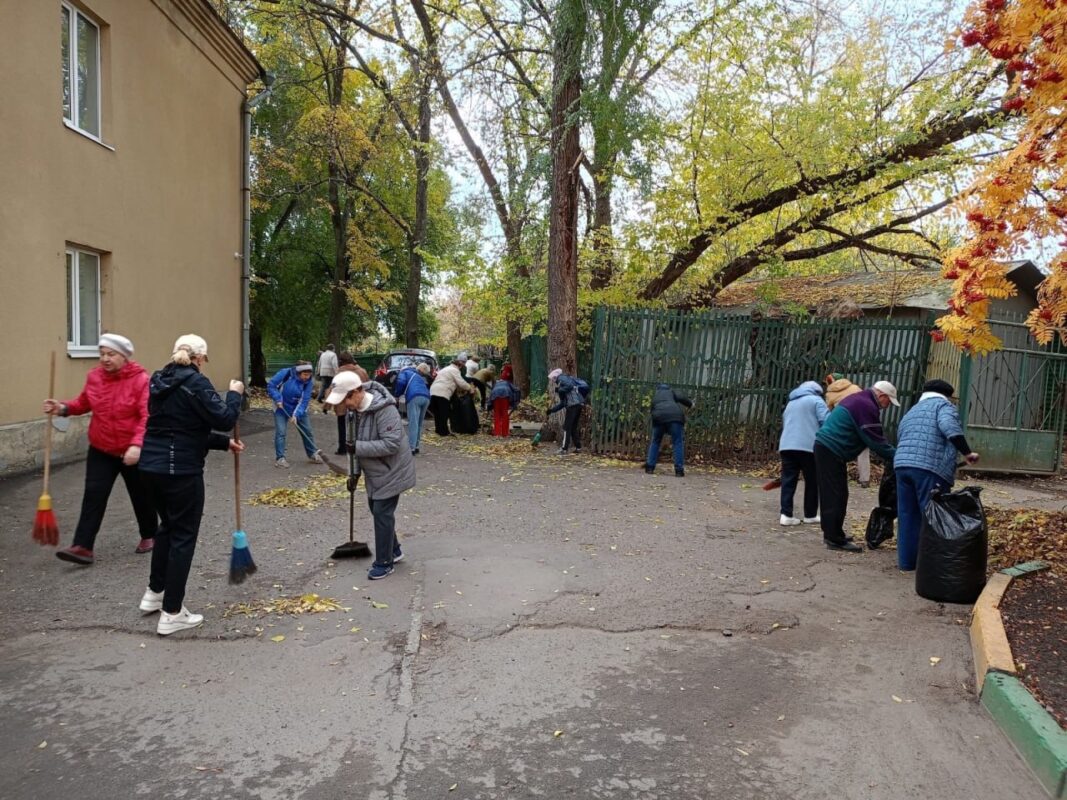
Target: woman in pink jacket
x,y
117,393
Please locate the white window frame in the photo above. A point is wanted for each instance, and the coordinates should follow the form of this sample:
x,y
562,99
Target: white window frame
x,y
72,73
77,348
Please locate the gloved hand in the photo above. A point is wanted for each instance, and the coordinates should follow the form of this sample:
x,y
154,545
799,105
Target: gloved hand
x,y
352,482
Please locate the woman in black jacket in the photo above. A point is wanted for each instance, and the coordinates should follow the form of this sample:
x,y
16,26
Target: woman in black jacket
x,y
183,411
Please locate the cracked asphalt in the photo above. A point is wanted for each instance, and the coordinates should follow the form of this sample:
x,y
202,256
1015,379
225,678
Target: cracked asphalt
x,y
561,627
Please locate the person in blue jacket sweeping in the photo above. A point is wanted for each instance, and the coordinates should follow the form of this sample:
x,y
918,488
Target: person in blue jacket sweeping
x,y
291,389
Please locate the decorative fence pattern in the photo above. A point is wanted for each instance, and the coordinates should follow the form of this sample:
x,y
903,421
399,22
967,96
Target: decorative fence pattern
x,y
739,371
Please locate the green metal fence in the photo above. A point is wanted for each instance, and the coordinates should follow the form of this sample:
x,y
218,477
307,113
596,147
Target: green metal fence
x,y
739,370
1013,401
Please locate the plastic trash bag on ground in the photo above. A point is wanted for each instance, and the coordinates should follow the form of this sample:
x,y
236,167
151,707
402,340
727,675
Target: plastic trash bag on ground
x,y
953,547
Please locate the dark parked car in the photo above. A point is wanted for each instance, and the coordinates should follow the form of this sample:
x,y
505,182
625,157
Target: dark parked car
x,y
397,360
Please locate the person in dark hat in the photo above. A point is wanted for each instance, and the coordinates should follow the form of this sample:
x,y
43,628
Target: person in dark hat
x,y
928,439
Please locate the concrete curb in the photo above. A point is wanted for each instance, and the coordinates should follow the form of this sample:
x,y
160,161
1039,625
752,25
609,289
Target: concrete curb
x,y
1039,739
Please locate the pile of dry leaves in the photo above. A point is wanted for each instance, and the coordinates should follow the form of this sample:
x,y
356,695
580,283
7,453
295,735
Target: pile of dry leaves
x,y
1017,535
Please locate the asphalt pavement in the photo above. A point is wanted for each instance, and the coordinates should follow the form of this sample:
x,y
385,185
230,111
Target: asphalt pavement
x,y
560,627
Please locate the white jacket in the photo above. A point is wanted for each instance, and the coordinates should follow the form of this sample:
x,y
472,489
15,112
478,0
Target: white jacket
x,y
449,380
328,364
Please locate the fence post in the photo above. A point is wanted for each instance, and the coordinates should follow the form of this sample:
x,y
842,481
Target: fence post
x,y
965,389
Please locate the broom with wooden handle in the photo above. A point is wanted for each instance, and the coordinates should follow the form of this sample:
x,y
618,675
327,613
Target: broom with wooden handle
x,y
241,563
45,529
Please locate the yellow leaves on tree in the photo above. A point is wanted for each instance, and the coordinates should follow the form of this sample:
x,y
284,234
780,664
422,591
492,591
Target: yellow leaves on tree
x,y
367,273
1024,193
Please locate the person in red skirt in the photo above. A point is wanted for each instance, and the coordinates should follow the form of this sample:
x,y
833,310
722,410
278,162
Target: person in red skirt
x,y
504,398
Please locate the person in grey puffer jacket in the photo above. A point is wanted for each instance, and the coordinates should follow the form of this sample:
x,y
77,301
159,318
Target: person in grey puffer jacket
x,y
382,454
928,439
668,417
803,416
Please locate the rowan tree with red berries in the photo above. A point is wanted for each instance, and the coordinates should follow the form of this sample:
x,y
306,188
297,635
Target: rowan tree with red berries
x,y
1022,197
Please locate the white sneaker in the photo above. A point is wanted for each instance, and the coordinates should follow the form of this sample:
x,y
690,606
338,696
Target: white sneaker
x,y
281,463
183,620
813,520
151,602
315,458
784,520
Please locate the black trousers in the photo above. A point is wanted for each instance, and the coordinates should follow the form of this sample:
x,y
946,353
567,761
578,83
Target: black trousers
x,y
441,408
477,384
101,469
832,475
572,417
342,431
794,464
179,499
384,513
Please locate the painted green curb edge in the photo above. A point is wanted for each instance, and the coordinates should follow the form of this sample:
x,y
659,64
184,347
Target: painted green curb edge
x,y
1024,569
1040,741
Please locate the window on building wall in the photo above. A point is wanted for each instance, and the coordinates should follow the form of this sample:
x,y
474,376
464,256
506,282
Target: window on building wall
x,y
83,301
81,71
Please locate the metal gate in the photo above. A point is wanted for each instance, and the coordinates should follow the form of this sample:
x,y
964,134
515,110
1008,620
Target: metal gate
x,y
1012,402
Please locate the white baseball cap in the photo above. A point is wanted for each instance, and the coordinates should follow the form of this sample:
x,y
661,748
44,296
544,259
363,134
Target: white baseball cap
x,y
343,383
889,390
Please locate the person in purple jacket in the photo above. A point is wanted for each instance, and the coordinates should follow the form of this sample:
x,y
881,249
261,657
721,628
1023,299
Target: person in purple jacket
x,y
854,424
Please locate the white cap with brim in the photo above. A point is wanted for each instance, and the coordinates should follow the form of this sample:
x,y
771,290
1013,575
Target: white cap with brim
x,y
889,390
342,384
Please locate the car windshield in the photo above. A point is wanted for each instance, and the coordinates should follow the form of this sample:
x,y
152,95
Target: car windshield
x,y
400,361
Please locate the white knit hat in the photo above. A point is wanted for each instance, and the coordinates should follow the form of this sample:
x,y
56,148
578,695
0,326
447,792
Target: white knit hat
x,y
120,344
191,342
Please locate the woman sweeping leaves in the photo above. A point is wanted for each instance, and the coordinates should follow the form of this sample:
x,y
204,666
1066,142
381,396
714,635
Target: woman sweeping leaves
x,y
383,456
116,392
183,410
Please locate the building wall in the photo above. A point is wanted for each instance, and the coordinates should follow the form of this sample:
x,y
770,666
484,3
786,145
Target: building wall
x,y
160,198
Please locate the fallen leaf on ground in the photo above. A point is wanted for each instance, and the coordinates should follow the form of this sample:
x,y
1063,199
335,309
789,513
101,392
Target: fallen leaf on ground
x,y
897,699
278,638
376,604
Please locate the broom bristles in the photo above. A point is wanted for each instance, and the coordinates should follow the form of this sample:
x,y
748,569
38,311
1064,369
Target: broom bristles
x,y
241,563
45,528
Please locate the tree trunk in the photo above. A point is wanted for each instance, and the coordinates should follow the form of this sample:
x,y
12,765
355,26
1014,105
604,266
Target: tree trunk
x,y
259,361
338,215
563,210
418,237
602,232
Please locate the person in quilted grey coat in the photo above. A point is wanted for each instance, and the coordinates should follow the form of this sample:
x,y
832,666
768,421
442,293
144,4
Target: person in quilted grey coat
x,y
376,434
928,439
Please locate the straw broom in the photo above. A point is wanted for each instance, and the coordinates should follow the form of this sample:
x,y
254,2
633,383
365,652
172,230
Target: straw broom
x,y
45,529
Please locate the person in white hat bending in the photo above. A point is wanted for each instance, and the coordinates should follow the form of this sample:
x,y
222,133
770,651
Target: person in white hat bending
x,y
855,423
116,392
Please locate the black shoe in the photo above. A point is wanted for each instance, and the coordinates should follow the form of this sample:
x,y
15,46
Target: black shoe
x,y
415,452
848,547
679,473
649,470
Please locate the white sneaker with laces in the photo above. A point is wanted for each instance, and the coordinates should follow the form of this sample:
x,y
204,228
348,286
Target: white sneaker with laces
x,y
183,620
784,520
315,458
813,520
281,463
151,602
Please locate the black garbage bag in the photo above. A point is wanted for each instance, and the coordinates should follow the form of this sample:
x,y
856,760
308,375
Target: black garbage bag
x,y
464,417
880,526
887,489
953,546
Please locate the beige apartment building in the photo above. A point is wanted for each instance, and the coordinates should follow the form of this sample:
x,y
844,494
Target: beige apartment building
x,y
121,205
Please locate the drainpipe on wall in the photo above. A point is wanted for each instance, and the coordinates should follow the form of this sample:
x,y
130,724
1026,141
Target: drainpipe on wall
x,y
246,232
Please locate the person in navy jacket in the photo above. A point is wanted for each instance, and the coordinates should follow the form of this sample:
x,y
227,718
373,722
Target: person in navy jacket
x,y
291,390
184,411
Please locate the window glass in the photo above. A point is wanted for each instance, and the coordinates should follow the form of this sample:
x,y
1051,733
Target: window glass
x,y
88,298
67,113
88,51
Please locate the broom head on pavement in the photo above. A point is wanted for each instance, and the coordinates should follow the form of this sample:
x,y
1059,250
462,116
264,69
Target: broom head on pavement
x,y
773,483
45,529
241,563
352,548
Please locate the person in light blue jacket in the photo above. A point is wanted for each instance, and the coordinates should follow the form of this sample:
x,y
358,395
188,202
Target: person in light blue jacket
x,y
803,416
928,439
291,390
